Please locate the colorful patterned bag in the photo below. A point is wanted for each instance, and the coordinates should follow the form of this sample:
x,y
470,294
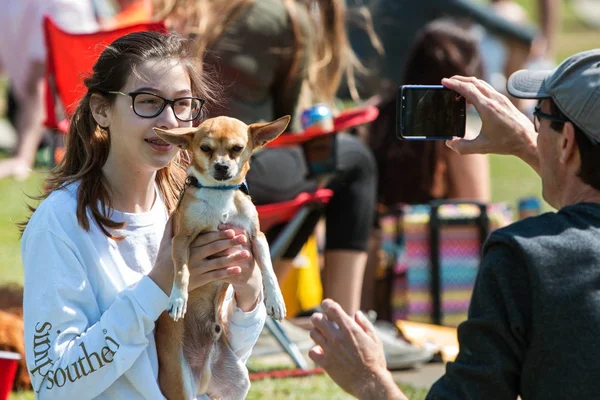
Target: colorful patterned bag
x,y
437,250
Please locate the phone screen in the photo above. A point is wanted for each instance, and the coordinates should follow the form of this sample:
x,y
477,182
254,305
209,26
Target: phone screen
x,y
430,112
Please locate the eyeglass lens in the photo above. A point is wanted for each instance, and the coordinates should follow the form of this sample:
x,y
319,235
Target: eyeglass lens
x,y
149,105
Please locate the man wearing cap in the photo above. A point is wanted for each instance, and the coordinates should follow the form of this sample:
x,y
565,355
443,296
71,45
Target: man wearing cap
x,y
533,328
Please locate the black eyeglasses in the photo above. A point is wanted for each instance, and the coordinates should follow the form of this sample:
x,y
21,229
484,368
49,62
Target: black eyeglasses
x,y
538,113
150,105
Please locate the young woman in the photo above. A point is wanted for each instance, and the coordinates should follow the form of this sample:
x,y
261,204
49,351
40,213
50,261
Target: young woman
x,y
97,274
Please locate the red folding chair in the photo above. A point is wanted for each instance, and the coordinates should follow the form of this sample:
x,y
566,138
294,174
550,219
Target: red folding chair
x,y
293,213
69,58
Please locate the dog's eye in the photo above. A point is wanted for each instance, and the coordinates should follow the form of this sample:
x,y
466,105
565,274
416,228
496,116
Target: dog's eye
x,y
237,149
205,148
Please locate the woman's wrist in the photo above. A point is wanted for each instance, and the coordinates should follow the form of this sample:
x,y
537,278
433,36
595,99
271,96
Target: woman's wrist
x,y
162,275
247,295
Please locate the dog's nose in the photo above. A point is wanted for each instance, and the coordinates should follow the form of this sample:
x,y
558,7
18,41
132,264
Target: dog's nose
x,y
221,168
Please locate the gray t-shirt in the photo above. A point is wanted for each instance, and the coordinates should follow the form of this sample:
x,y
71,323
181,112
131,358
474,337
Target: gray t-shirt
x,y
253,59
534,321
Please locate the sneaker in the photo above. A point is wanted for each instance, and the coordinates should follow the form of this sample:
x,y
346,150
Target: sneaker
x,y
399,353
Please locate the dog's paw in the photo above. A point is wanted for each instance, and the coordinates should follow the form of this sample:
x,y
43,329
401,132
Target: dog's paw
x,y
275,305
177,303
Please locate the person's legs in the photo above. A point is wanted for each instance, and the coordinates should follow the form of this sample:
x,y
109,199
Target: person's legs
x,y
349,218
280,174
29,119
343,277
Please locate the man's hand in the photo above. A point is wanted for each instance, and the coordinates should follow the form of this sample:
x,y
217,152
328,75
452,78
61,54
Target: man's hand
x,y
505,130
351,353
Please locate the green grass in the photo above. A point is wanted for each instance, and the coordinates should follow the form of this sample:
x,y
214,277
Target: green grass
x,y
573,35
512,180
314,388
13,210
22,396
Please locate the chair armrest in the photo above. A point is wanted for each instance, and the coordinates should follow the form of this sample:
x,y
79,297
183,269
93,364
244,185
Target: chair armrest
x,y
345,120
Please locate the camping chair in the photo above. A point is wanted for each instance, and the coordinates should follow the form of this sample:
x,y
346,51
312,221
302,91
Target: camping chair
x,y
320,154
70,57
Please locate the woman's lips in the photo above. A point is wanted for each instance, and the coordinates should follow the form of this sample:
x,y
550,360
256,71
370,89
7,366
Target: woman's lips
x,y
159,144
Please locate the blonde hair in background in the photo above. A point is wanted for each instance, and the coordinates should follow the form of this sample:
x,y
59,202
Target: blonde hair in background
x,y
331,56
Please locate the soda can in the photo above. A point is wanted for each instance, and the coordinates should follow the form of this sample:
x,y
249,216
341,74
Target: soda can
x,y
317,118
529,207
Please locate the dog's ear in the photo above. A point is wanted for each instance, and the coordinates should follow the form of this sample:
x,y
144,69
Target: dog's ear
x,y
180,137
263,133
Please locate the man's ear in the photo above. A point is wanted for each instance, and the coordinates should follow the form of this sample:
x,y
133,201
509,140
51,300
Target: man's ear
x,y
568,143
180,137
263,133
100,110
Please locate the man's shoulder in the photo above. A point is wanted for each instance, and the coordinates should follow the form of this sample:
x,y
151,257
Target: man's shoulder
x,y
530,226
579,216
551,235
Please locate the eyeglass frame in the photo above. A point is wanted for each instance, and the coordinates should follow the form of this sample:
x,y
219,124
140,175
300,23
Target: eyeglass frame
x,y
166,102
539,114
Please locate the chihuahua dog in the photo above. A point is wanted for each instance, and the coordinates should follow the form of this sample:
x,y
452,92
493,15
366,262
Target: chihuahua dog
x,y
193,353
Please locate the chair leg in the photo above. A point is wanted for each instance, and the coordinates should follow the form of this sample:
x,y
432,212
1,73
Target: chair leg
x,y
284,341
277,249
284,239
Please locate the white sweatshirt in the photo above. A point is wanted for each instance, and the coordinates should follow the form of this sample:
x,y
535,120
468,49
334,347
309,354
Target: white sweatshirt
x,y
90,309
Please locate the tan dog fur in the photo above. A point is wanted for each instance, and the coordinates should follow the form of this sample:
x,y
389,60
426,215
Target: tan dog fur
x,y
194,356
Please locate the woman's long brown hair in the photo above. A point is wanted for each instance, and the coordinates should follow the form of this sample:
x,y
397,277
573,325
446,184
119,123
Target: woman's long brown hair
x,y
87,144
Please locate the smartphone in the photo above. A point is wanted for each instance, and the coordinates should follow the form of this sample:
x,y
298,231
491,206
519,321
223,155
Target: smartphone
x,y
429,112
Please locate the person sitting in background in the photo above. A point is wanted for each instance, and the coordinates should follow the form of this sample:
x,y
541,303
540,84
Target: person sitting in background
x,y
533,324
276,57
23,57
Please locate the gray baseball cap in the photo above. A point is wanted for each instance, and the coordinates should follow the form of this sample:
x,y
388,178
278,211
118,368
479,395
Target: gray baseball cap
x,y
574,86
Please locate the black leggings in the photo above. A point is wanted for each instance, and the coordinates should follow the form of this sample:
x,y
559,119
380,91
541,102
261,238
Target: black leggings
x,y
279,174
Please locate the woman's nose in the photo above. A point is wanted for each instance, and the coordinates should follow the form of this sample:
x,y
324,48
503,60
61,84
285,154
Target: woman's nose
x,y
166,118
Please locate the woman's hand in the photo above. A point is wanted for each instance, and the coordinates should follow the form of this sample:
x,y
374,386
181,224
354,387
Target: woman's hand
x,y
505,130
221,255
